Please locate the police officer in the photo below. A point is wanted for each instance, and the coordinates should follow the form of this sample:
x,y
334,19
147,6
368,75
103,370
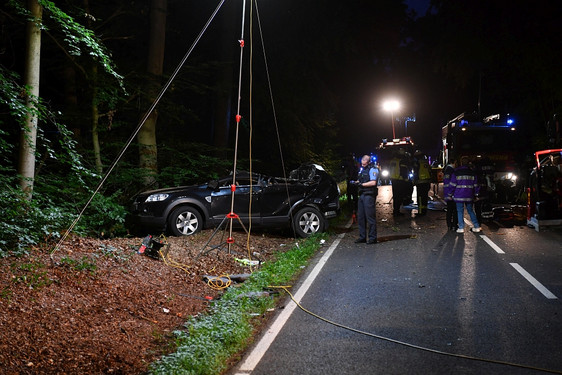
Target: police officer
x,y
367,181
422,180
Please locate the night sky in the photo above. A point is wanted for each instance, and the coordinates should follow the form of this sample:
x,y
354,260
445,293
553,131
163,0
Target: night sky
x,y
499,54
336,61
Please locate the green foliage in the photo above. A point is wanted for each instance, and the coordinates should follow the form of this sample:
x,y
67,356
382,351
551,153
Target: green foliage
x,y
57,201
119,255
77,35
84,264
209,340
34,275
11,94
104,215
26,223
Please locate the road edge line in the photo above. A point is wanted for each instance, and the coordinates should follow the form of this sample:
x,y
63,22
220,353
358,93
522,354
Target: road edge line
x,y
265,342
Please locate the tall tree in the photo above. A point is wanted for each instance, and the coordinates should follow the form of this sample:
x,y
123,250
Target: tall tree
x,y
147,135
26,167
225,81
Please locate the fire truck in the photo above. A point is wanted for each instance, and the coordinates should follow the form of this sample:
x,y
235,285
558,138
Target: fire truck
x,y
490,143
387,150
544,191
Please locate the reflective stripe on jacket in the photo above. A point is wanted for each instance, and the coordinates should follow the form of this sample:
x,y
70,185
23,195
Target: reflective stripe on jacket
x,y
464,185
423,172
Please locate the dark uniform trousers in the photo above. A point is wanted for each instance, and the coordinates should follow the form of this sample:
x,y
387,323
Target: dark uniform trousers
x,y
367,216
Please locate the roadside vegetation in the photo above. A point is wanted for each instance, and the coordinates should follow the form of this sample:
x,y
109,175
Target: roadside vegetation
x,y
211,342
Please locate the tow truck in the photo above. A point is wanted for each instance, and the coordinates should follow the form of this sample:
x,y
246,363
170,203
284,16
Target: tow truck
x,y
489,142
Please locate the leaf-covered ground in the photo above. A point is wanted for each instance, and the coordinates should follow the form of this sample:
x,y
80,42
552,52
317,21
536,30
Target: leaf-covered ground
x,y
97,306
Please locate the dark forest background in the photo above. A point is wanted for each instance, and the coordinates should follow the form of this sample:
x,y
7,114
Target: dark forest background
x,y
329,63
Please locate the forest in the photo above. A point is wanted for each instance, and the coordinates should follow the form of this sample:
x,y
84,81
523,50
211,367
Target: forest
x,y
100,100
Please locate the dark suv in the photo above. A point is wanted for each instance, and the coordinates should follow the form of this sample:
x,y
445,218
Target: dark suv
x,y
305,200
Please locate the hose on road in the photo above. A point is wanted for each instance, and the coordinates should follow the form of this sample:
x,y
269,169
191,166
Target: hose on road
x,y
412,345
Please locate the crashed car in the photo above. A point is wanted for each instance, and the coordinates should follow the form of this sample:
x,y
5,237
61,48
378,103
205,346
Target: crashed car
x,y
305,200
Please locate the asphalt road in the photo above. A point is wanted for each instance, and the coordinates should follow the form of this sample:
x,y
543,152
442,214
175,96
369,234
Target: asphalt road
x,y
496,295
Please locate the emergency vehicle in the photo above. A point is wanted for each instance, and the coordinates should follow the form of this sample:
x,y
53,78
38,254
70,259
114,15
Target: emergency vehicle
x,y
490,143
387,150
544,191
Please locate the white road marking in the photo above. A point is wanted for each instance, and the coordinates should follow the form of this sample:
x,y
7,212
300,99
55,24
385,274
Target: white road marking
x,y
492,245
265,342
541,288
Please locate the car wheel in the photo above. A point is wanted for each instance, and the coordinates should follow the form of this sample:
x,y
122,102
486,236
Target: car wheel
x,y
308,221
185,221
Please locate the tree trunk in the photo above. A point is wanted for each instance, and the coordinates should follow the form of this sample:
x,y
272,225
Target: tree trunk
x,y
26,166
95,120
94,107
147,135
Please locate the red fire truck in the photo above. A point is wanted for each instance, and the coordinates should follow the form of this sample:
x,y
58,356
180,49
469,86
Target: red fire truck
x,y
491,144
544,193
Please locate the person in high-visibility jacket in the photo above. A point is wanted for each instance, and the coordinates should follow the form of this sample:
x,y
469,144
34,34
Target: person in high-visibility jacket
x,y
422,181
465,189
398,169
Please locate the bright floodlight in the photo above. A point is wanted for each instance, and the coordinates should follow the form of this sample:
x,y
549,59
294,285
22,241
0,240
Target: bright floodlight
x,y
391,105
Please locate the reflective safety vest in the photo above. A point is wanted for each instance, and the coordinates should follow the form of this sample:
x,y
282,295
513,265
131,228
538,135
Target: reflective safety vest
x,y
394,169
423,173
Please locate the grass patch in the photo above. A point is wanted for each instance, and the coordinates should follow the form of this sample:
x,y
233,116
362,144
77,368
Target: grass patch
x,y
210,340
33,274
80,265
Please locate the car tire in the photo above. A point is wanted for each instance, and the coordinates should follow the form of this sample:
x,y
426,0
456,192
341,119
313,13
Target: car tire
x,y
308,221
185,221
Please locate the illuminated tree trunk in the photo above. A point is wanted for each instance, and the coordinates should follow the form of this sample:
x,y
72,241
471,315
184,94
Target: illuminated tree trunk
x,y
26,165
94,108
147,135
95,121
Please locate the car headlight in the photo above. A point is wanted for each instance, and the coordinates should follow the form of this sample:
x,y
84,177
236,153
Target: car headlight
x,y
385,173
509,176
157,197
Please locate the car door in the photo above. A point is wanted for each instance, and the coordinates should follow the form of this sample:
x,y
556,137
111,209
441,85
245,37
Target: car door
x,y
277,198
221,200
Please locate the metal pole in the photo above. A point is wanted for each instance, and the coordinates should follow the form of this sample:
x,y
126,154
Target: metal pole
x,y
238,118
392,120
